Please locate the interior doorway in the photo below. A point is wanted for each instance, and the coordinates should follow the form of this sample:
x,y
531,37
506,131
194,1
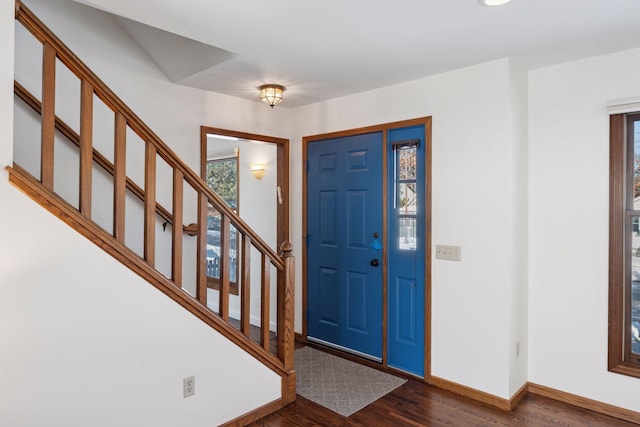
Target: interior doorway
x,y
250,173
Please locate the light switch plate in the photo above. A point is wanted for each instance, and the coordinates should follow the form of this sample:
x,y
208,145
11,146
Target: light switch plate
x,y
448,252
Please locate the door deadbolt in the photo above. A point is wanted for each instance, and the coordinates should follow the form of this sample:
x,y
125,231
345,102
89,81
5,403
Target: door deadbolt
x,y
374,262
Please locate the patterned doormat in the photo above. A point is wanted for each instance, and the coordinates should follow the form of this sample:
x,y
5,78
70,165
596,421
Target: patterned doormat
x,y
338,384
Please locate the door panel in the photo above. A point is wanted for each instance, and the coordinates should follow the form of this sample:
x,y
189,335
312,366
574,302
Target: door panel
x,y
405,309
344,213
357,302
356,213
328,295
406,251
328,223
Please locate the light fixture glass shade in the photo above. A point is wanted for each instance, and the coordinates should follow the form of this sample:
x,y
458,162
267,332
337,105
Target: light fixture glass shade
x,y
257,169
493,2
271,94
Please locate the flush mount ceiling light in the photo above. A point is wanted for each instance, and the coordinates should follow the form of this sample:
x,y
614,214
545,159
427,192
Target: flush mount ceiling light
x,y
493,2
271,94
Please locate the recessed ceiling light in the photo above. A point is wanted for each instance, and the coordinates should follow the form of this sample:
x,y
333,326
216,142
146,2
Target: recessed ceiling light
x,y
493,2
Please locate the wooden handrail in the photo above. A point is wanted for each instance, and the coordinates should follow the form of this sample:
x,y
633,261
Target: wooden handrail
x,y
77,67
114,243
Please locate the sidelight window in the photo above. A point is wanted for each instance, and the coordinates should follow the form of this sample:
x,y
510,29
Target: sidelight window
x,y
406,196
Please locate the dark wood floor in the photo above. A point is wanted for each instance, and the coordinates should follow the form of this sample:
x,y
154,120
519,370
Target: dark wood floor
x,y
417,404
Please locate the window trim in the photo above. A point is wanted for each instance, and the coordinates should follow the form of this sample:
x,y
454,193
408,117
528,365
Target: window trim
x,y
620,142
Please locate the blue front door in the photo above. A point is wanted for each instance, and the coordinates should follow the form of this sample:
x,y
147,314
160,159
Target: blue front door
x,y
344,255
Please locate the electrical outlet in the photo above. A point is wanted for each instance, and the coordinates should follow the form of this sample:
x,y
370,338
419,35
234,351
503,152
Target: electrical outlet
x,y
189,386
450,253
517,348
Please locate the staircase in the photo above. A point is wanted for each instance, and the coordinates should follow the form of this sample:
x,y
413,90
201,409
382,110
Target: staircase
x,y
190,197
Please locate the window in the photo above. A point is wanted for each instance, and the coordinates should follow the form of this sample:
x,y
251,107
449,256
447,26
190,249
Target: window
x,y
222,177
406,196
624,244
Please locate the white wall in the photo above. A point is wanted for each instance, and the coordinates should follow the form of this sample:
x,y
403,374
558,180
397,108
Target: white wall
x,y
517,263
84,341
472,158
569,202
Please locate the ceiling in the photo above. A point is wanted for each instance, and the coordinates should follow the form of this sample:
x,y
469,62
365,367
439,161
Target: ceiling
x,y
326,49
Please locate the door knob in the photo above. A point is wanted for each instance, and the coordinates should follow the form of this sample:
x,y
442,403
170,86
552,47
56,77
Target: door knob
x,y
374,262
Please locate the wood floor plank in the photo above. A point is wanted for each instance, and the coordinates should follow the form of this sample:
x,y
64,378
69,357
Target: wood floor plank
x,y
417,404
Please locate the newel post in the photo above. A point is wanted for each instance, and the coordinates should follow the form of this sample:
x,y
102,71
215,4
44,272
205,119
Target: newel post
x,y
286,337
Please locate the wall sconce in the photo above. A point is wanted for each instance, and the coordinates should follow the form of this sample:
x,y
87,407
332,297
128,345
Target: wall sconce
x,y
271,94
257,169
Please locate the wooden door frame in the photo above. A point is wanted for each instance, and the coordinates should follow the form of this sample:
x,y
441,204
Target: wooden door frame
x,y
384,128
282,171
